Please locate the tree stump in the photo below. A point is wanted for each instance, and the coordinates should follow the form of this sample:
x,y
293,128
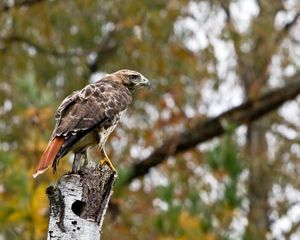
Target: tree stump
x,y
78,203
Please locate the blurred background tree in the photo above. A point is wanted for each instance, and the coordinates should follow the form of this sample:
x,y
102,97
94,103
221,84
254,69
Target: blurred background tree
x,y
203,58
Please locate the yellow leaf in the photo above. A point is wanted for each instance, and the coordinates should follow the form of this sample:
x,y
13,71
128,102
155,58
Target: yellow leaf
x,y
39,210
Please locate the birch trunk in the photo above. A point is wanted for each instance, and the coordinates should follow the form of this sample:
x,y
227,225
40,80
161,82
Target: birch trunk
x,y
78,204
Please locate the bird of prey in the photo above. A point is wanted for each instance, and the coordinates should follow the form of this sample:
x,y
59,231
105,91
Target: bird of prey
x,y
87,117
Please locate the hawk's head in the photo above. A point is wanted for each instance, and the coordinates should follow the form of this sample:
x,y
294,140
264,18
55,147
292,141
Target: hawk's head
x,y
130,79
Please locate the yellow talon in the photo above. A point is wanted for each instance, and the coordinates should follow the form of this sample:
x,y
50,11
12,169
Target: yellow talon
x,y
107,161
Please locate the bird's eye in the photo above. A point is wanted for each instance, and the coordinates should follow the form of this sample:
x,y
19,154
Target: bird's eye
x,y
134,77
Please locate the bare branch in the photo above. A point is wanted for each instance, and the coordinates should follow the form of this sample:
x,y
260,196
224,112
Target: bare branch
x,y
293,230
226,7
286,29
205,130
102,48
290,24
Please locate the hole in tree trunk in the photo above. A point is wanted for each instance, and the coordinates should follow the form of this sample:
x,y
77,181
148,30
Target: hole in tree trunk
x,y
77,207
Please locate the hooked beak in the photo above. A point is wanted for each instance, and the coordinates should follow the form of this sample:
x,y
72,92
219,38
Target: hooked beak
x,y
144,82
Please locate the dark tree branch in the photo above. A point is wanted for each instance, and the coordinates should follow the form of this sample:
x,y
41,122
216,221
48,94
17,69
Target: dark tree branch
x,y
290,24
226,7
286,28
214,127
25,3
103,48
101,56
39,48
293,230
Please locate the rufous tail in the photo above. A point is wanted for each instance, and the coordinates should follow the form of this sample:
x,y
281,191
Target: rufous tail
x,y
49,155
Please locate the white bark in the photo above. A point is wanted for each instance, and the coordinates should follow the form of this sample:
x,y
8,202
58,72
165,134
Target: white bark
x,y
78,204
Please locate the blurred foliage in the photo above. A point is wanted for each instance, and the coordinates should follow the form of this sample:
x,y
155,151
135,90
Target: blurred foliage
x,y
50,48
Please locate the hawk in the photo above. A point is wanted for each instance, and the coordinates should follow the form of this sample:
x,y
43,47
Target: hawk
x,y
87,117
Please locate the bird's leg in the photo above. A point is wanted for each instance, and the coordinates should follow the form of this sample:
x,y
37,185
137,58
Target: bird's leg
x,y
107,161
78,162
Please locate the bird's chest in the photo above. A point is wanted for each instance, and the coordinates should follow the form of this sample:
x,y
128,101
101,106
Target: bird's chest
x,y
107,128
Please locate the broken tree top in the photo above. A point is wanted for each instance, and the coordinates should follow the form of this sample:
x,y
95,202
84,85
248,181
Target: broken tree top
x,y
78,204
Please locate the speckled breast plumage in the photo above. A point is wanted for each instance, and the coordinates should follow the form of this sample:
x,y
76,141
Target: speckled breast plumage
x,y
106,129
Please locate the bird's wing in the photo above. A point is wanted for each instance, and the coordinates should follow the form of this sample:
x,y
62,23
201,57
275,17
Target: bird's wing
x,y
81,112
89,107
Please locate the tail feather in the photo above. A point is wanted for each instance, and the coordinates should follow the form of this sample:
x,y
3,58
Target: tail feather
x,y
49,155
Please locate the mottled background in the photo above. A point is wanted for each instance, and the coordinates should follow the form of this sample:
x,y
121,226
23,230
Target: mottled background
x,y
203,58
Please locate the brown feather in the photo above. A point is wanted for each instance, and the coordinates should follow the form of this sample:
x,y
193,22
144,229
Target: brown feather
x,y
49,155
